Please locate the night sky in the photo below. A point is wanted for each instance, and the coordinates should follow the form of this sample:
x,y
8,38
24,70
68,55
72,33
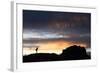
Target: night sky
x,y
54,31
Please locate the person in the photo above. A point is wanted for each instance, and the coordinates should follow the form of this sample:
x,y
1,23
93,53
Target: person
x,y
36,49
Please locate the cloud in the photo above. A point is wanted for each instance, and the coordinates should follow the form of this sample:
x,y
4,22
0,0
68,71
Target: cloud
x,y
27,34
48,26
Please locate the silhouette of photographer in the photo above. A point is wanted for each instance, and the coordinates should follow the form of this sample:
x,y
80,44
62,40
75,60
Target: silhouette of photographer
x,y
36,49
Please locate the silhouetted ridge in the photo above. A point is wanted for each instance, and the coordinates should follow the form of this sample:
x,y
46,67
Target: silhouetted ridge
x,y
71,53
75,52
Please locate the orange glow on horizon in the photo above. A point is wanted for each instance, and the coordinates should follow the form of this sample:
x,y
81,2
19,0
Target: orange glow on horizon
x,y
51,47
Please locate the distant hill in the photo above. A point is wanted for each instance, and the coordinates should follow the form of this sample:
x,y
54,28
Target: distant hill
x,y
71,53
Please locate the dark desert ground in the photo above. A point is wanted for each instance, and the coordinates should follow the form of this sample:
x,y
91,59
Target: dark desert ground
x,y
71,53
